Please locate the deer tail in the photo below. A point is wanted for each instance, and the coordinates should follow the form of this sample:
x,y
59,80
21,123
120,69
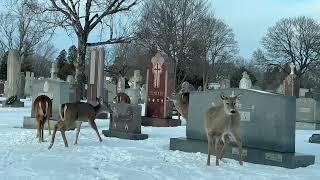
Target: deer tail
x,y
63,109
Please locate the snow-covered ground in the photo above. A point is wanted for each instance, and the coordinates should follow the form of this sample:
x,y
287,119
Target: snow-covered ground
x,y
22,157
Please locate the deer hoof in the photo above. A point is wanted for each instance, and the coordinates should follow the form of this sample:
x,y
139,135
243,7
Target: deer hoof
x,y
50,146
241,163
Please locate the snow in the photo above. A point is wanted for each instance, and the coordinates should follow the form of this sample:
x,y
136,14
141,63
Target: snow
x,y
22,157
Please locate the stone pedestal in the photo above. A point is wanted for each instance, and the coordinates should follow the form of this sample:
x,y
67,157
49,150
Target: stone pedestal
x,y
160,122
125,122
267,129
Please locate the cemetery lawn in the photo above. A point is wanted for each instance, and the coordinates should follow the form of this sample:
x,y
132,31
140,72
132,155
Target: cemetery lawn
x,y
22,157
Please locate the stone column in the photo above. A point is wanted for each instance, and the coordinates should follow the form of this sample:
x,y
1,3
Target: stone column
x,y
13,73
291,83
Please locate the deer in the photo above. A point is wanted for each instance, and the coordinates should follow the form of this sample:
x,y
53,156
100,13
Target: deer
x,y
222,125
181,102
122,98
42,106
78,112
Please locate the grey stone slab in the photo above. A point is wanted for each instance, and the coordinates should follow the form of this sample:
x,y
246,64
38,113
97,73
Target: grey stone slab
x,y
251,155
30,123
308,110
17,103
307,126
267,120
123,135
159,122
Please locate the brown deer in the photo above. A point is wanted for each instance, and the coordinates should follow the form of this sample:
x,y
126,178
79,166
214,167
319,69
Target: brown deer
x,y
222,125
122,98
78,112
42,107
181,102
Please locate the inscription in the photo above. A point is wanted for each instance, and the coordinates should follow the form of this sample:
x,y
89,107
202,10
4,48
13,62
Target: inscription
x,y
305,110
244,116
273,157
235,151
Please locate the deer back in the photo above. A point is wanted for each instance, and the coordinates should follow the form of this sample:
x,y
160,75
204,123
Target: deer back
x,y
42,105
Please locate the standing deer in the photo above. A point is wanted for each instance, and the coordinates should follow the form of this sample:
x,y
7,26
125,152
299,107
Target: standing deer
x,y
78,112
181,102
42,106
222,124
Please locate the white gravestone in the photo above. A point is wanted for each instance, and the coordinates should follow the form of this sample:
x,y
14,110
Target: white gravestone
x,y
245,82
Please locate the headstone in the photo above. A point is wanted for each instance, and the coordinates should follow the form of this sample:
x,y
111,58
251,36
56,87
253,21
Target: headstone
x,y
111,90
280,89
314,94
57,90
245,82
291,83
302,92
1,88
308,114
134,91
121,84
96,75
14,78
73,89
22,85
54,71
143,93
28,85
267,129
186,87
160,84
225,84
125,122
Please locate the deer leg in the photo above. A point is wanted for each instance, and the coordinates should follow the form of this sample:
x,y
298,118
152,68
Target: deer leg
x,y
38,128
225,146
53,135
48,122
64,137
217,149
239,144
78,131
94,126
210,144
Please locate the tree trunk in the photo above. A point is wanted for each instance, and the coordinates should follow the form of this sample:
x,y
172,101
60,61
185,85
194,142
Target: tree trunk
x,y
80,77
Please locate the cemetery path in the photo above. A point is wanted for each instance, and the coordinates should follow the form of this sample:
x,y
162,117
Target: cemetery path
x,y
22,157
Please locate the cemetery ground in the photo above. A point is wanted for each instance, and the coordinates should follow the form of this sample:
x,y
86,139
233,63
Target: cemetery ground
x,y
22,157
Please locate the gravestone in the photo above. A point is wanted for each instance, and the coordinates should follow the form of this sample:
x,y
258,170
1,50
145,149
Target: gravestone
x,y
1,88
267,129
28,85
22,85
245,82
160,84
125,122
143,93
55,89
96,76
225,84
54,71
121,85
291,83
14,78
186,87
308,114
73,89
134,91
111,90
314,94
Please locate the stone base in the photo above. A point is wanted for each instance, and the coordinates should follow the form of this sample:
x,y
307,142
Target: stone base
x,y
315,138
307,126
123,135
257,156
158,122
17,103
30,123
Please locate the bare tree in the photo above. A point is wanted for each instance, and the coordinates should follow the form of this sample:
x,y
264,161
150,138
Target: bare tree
x,y
291,40
219,46
20,29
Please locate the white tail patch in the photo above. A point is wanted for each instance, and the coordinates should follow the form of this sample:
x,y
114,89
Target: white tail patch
x,y
64,112
40,111
47,106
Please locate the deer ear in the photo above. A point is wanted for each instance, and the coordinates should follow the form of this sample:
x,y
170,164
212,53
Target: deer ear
x,y
238,96
223,97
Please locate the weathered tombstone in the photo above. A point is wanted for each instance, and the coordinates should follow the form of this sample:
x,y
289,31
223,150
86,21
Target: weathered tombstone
x,y
14,78
28,85
302,92
225,84
22,85
111,90
245,82
121,84
186,87
143,93
160,80
54,71
96,76
73,89
125,122
134,91
267,129
1,88
308,114
291,83
57,90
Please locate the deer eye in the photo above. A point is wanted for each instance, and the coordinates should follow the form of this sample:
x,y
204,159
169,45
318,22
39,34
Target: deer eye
x,y
227,103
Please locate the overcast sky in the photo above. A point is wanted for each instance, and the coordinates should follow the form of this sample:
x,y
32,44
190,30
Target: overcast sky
x,y
249,19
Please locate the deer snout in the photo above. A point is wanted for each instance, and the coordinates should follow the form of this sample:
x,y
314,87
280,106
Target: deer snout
x,y
232,111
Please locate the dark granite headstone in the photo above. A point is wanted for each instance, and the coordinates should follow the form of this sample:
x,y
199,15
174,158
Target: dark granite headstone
x,y
160,84
267,127
125,122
